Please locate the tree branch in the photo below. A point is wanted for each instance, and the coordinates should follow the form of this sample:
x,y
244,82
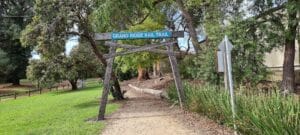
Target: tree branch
x,y
270,11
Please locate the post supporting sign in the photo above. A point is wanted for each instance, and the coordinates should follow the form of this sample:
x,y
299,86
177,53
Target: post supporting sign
x,y
224,65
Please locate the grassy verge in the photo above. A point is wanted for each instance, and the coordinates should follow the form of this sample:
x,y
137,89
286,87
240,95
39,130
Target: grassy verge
x,y
64,112
257,114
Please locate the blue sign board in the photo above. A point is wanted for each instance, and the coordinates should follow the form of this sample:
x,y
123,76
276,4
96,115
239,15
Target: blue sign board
x,y
140,35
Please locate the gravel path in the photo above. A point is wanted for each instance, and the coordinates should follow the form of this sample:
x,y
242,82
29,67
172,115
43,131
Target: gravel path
x,y
143,114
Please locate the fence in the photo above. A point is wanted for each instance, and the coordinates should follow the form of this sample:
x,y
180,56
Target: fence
x,y
28,93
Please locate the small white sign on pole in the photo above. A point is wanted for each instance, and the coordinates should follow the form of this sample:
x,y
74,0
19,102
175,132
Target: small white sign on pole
x,y
221,67
224,58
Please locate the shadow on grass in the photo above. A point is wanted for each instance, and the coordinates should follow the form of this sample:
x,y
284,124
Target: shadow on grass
x,y
90,88
87,104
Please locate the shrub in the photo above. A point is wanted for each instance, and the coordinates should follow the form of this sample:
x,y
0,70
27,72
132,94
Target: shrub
x,y
257,113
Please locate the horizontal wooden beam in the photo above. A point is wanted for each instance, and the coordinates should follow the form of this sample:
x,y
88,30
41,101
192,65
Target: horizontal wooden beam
x,y
133,49
108,36
114,44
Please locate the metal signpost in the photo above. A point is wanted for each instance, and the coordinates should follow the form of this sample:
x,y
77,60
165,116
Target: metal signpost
x,y
132,49
224,65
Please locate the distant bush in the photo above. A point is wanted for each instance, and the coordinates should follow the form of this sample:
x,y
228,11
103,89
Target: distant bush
x,y
257,113
129,74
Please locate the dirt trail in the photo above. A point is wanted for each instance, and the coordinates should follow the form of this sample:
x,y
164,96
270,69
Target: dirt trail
x,y
144,114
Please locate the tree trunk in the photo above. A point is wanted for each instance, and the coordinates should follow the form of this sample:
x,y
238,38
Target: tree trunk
x,y
158,68
154,70
189,21
73,84
116,90
288,77
15,81
142,74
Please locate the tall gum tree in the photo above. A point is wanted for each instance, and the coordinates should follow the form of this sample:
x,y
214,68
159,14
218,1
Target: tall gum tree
x,y
284,19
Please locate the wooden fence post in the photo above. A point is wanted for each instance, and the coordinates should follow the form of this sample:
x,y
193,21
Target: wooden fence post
x,y
176,75
40,91
15,94
107,79
29,92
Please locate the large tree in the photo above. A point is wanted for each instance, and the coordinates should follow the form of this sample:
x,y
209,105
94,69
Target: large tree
x,y
79,64
14,16
281,18
51,26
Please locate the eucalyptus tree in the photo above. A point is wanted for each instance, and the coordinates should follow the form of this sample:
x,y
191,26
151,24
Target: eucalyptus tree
x,y
277,22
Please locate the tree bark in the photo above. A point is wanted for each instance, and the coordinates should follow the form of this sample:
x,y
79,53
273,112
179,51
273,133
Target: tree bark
x,y
154,70
73,84
142,74
158,68
116,89
191,27
288,77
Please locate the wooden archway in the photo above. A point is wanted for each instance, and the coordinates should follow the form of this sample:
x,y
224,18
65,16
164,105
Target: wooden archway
x,y
133,49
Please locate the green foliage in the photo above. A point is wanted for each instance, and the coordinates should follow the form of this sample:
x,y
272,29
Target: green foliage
x,y
256,113
248,51
248,54
5,66
142,59
79,65
127,75
54,113
12,20
82,63
117,15
46,73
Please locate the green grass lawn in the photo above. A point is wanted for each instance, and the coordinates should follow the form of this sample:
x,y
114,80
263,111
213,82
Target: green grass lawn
x,y
56,113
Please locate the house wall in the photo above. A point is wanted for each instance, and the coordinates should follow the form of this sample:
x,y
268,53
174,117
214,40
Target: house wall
x,y
274,62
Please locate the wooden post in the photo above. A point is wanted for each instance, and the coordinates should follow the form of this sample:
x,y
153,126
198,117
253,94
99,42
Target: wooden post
x,y
176,75
29,92
15,95
106,88
41,91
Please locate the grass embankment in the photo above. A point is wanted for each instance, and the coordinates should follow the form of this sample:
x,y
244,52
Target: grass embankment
x,y
64,112
256,113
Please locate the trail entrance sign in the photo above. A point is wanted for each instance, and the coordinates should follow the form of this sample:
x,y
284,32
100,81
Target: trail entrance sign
x,y
138,35
133,49
141,35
